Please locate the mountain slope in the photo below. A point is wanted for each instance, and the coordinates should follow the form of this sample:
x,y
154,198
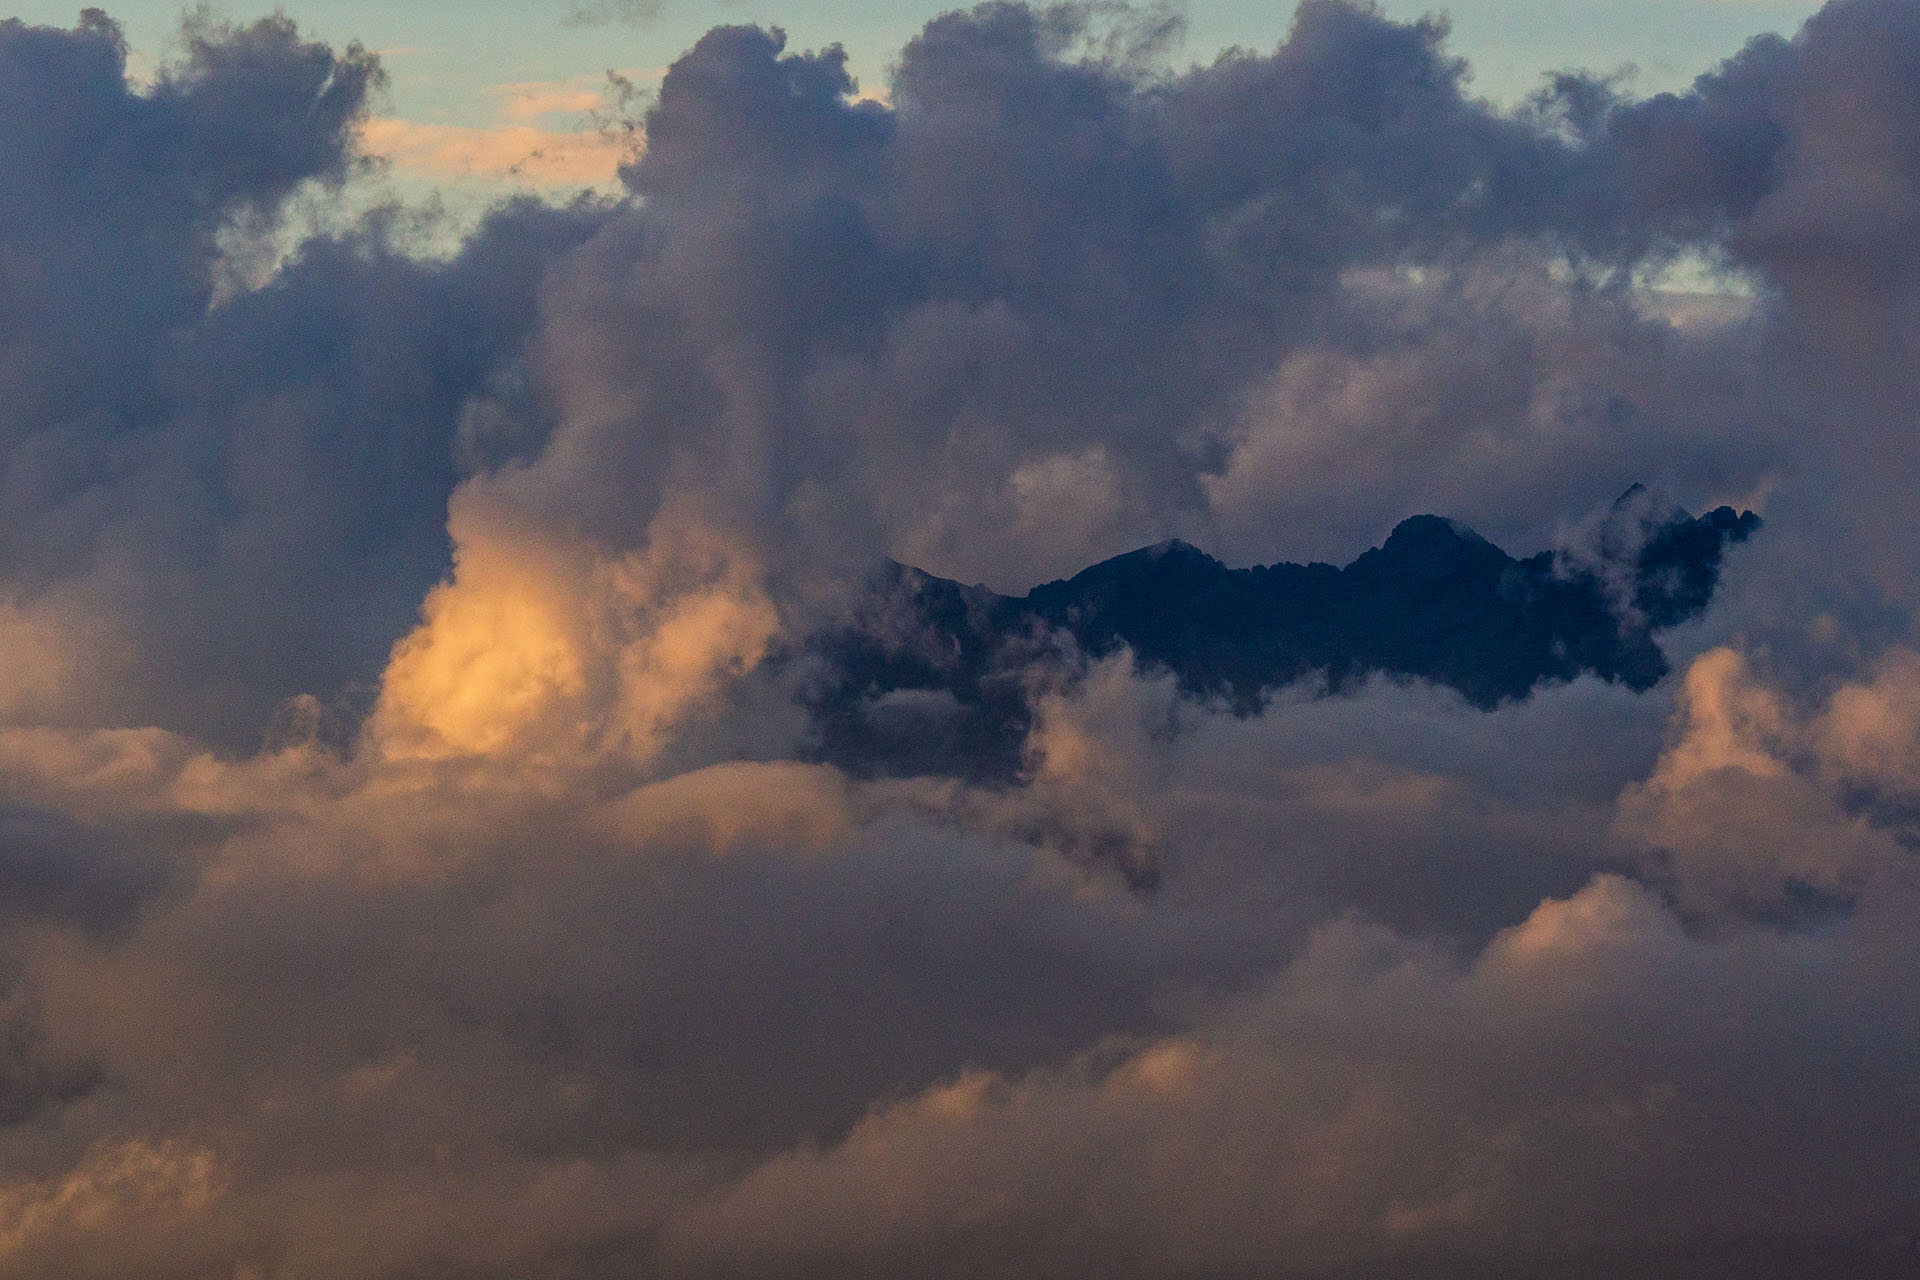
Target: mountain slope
x,y
931,676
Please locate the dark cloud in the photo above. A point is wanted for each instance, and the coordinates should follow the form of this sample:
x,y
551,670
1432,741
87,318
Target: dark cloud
x,y
273,470
413,857
1049,277
53,867
111,221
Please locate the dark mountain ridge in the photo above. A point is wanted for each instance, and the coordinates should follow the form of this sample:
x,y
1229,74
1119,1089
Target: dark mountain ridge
x,y
931,676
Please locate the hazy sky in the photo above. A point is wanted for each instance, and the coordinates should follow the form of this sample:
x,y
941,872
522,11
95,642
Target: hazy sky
x,y
454,50
457,64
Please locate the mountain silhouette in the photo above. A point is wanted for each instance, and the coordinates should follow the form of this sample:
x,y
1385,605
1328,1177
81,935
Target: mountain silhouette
x,y
934,677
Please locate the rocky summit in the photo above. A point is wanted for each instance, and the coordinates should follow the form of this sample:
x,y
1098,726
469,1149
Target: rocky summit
x,y
933,676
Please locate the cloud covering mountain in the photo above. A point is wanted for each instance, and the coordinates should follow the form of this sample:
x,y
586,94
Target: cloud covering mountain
x,y
418,854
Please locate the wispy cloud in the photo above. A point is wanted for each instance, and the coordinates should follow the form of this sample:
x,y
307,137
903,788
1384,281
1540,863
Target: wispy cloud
x,y
546,133
600,13
517,152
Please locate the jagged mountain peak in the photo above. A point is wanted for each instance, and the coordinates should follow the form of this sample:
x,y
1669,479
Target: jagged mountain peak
x,y
1435,602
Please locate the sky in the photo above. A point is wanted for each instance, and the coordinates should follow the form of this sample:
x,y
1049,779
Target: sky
x,y
472,81
422,630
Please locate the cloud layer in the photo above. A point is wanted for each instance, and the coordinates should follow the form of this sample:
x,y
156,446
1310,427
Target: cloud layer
x,y
410,865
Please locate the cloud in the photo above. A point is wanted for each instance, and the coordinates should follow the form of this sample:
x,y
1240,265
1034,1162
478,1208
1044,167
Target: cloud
x,y
129,1187
170,460
524,640
542,157
1315,1120
599,13
548,135
412,860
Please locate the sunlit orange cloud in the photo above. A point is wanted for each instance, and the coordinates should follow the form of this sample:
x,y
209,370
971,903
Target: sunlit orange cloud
x,y
517,152
518,650
116,1184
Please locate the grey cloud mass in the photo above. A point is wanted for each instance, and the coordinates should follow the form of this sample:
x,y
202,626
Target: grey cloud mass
x,y
412,863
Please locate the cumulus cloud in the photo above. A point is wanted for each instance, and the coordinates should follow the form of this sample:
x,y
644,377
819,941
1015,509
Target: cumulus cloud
x,y
413,859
